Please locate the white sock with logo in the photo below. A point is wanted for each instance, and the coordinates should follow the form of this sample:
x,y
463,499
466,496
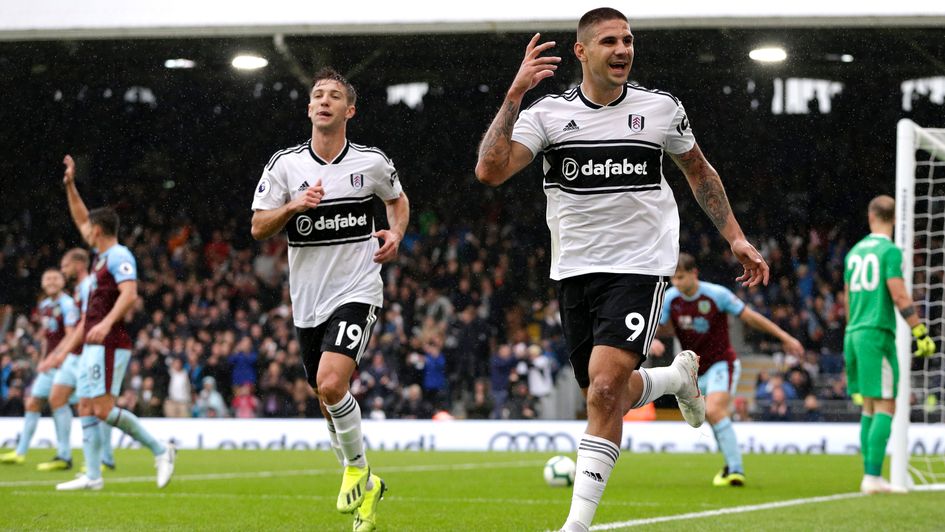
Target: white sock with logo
x,y
595,460
335,444
346,416
658,382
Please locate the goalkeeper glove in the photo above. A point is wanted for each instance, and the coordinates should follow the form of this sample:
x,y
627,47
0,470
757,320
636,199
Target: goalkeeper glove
x,y
925,346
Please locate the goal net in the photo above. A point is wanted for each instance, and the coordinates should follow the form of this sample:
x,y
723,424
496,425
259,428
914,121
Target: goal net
x,y
918,442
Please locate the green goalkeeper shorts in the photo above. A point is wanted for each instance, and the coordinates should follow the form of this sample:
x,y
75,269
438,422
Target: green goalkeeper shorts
x,y
872,368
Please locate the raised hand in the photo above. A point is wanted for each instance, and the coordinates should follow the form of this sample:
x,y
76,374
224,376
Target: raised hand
x,y
534,67
68,177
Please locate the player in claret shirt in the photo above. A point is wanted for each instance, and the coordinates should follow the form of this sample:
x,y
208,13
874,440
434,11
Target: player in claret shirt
x,y
107,350
59,316
697,311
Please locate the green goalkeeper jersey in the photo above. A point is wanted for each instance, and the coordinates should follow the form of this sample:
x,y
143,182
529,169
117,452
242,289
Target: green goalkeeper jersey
x,y
868,266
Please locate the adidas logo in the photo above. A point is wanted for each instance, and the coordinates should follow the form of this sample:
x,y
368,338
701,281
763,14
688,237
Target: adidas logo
x,y
572,126
303,186
595,476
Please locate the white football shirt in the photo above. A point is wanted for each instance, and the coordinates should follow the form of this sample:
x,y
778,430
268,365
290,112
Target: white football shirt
x,y
331,247
609,207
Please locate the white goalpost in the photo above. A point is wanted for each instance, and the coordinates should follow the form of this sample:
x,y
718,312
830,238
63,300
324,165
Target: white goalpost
x,y
920,233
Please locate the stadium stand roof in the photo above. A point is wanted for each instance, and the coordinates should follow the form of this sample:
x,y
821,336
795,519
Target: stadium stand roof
x,y
90,19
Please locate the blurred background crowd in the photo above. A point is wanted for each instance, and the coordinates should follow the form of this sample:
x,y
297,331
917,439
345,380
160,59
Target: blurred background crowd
x,y
470,326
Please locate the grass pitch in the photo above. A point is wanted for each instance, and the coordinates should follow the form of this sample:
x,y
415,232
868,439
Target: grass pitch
x,y
296,490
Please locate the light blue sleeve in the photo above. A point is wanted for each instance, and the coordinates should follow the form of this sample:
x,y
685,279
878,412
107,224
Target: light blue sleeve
x,y
121,264
671,294
70,312
723,298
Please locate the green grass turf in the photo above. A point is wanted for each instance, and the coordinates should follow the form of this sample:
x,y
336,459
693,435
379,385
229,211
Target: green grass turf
x,y
295,490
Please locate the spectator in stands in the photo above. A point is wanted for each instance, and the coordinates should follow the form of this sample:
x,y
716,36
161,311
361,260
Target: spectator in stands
x,y
209,401
413,406
540,381
376,410
6,369
502,365
13,405
378,380
778,409
243,363
469,335
740,410
521,404
148,401
800,380
435,385
479,405
245,405
837,389
275,391
812,413
179,398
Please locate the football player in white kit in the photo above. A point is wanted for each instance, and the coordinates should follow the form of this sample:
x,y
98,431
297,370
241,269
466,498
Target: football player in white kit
x,y
614,228
321,192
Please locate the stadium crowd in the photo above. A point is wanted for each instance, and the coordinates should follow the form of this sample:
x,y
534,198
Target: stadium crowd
x,y
470,326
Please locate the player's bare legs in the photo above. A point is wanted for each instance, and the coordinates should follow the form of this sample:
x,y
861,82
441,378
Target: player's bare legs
x,y
608,398
614,388
717,413
332,381
62,417
104,408
34,408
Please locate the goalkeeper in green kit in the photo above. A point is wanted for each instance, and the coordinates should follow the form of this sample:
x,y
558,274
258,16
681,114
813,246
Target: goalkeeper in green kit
x,y
874,290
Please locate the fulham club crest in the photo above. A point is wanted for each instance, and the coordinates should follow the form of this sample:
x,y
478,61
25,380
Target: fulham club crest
x,y
357,181
636,123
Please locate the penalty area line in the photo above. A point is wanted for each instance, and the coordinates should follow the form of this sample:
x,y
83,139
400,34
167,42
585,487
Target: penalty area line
x,y
725,511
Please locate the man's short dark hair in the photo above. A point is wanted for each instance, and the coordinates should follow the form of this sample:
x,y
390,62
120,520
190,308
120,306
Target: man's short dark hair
x,y
329,73
106,218
594,16
687,262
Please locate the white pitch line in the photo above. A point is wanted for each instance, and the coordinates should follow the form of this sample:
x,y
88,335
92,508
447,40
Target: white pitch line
x,y
276,496
287,473
724,511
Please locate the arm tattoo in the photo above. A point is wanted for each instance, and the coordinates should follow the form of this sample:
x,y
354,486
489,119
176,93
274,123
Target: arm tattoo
x,y
712,199
496,144
706,186
907,312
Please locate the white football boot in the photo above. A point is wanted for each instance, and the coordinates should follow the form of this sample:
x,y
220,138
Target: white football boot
x,y
164,463
81,482
691,402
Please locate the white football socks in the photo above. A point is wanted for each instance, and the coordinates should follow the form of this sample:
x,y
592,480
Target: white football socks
x,y
335,445
346,416
658,382
595,460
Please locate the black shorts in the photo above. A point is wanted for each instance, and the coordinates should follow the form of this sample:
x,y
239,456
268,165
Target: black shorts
x,y
346,332
614,309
